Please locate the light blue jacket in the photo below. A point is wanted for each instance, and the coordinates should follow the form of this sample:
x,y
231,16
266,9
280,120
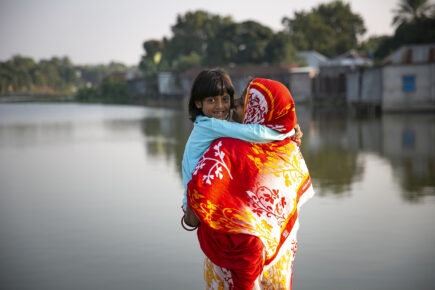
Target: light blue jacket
x,y
206,130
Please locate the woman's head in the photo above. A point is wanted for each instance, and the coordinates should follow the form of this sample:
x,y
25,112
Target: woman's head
x,y
239,105
212,95
268,103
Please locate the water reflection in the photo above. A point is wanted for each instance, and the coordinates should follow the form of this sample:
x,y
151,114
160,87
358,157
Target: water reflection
x,y
166,136
408,143
20,135
90,199
332,145
335,140
333,166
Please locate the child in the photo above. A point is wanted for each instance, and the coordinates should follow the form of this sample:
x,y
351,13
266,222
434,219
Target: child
x,y
211,98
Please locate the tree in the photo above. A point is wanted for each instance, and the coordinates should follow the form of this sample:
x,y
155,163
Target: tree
x,y
412,10
222,48
280,49
114,90
330,28
239,43
152,47
421,30
17,74
57,75
251,38
418,31
192,34
376,46
153,55
151,63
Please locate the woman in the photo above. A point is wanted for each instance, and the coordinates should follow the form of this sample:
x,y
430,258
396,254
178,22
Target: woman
x,y
247,197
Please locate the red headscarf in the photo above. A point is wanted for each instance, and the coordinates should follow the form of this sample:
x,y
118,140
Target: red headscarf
x,y
246,194
269,103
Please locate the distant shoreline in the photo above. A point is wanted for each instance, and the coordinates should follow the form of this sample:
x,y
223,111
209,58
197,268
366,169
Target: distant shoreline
x,y
18,98
22,98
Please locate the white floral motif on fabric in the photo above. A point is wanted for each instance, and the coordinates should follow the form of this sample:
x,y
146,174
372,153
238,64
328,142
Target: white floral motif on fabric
x,y
256,108
216,169
279,128
269,204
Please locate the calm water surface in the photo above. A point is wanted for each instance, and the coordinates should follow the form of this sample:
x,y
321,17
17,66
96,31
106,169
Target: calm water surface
x,y
90,198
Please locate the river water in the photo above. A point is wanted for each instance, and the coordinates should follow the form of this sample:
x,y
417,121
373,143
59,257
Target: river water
x,y
90,198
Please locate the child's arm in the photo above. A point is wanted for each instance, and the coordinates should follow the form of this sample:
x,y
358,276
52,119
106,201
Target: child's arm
x,y
186,178
247,132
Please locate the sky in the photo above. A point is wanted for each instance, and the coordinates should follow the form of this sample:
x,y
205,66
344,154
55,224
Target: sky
x,y
100,31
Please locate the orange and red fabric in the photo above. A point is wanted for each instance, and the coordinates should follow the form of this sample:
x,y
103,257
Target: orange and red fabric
x,y
247,194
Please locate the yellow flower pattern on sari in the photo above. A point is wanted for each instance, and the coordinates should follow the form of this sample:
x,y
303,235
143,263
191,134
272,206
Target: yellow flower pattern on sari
x,y
269,209
216,277
234,221
279,275
281,161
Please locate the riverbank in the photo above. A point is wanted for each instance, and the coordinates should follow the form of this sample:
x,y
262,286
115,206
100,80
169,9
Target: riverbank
x,y
35,98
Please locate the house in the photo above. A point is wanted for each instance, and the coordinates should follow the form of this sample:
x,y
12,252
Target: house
x,y
301,83
364,89
408,79
302,78
331,80
168,85
135,82
312,58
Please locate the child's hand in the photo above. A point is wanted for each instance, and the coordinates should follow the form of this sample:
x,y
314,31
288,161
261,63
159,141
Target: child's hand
x,y
190,218
298,135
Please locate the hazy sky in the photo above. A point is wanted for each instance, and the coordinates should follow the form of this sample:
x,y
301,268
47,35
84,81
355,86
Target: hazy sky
x,y
99,31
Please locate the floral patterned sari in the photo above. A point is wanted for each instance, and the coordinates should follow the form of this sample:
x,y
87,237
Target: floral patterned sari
x,y
248,197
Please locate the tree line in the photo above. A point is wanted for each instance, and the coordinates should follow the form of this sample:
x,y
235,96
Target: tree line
x,y
22,74
203,39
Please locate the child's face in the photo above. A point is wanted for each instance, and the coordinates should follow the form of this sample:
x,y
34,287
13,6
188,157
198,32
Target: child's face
x,y
215,107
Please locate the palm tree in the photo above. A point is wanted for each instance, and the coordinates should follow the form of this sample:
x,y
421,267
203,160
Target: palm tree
x,y
410,10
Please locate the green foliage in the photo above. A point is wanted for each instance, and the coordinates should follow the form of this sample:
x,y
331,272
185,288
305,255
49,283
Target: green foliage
x,y
113,90
54,76
330,28
411,10
188,61
87,95
415,21
204,39
23,75
377,46
152,47
93,74
151,63
192,33
334,168
251,39
280,49
418,31
372,43
421,30
240,43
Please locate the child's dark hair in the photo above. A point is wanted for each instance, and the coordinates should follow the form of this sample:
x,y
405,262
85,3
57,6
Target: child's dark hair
x,y
209,83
